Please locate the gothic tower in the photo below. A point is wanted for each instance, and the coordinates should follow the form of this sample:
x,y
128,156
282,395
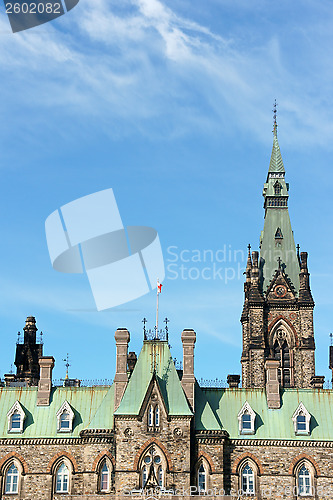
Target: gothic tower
x,y
277,316
28,354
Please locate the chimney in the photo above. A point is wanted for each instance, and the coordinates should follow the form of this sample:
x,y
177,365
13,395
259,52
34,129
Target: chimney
x,y
233,381
10,378
122,337
46,364
317,381
272,383
131,361
188,380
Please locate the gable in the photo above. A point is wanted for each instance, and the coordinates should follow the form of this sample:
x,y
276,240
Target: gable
x,y
166,377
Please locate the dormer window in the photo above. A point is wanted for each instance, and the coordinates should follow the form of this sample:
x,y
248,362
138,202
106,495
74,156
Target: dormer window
x,y
246,419
301,419
65,418
16,417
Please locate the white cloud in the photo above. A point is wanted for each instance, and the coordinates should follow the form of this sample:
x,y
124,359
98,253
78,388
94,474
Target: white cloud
x,y
140,63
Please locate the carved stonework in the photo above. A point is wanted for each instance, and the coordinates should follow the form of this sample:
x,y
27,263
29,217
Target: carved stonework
x,y
177,432
128,432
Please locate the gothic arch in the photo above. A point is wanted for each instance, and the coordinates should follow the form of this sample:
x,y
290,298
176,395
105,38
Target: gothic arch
x,y
204,455
242,458
144,448
303,457
100,457
62,454
10,456
282,323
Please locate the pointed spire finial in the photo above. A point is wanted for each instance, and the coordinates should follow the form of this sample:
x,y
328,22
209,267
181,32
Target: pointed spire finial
x,y
274,117
279,262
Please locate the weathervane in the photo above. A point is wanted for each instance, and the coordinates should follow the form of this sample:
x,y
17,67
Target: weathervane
x,y
274,115
67,365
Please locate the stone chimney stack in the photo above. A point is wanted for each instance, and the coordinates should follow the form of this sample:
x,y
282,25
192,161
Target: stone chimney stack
x,y
122,337
272,383
233,381
46,364
188,380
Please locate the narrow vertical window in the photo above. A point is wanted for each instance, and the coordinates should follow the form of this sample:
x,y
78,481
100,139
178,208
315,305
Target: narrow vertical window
x,y
105,477
62,479
150,416
12,478
304,481
201,478
160,476
246,422
16,421
157,416
301,423
144,476
248,480
65,421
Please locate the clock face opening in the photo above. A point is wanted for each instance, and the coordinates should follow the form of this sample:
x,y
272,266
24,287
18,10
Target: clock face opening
x,y
280,291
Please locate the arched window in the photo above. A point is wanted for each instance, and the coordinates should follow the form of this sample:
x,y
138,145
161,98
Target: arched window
x,y
153,467
104,477
151,416
246,422
12,479
157,416
282,353
304,481
62,479
277,188
201,478
247,478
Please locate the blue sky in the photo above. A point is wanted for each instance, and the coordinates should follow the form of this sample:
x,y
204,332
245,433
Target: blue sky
x,y
169,103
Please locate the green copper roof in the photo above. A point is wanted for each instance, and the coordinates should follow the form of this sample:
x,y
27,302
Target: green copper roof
x,y
269,424
276,163
277,239
92,406
166,376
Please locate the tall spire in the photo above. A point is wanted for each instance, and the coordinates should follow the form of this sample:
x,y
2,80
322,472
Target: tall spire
x,y
276,163
277,240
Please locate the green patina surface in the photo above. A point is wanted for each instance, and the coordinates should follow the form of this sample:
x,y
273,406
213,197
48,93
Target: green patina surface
x,y
93,408
269,424
166,376
270,247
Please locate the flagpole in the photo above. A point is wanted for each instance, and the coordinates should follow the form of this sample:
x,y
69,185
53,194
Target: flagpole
x,y
156,329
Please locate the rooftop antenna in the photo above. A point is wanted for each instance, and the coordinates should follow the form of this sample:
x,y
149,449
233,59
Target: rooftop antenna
x,y
67,365
274,117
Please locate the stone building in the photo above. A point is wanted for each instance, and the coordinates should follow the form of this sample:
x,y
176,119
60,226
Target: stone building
x,y
156,430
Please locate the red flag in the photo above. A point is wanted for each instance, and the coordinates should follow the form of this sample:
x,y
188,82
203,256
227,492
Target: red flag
x,y
159,287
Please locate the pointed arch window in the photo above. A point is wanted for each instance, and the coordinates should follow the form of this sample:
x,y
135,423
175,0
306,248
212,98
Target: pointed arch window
x,y
301,419
16,417
246,419
277,188
304,481
105,477
282,354
157,416
65,418
248,480
202,478
12,479
62,479
153,467
278,234
151,416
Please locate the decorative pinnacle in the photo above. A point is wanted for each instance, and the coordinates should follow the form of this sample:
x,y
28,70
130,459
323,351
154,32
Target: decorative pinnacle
x,y
274,117
67,365
331,335
279,261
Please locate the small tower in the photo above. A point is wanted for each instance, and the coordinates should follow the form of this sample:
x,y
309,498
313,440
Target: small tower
x,y
277,317
28,354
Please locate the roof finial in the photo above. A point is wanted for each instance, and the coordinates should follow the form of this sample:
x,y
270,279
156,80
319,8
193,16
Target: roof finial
x,y
279,262
274,117
67,365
